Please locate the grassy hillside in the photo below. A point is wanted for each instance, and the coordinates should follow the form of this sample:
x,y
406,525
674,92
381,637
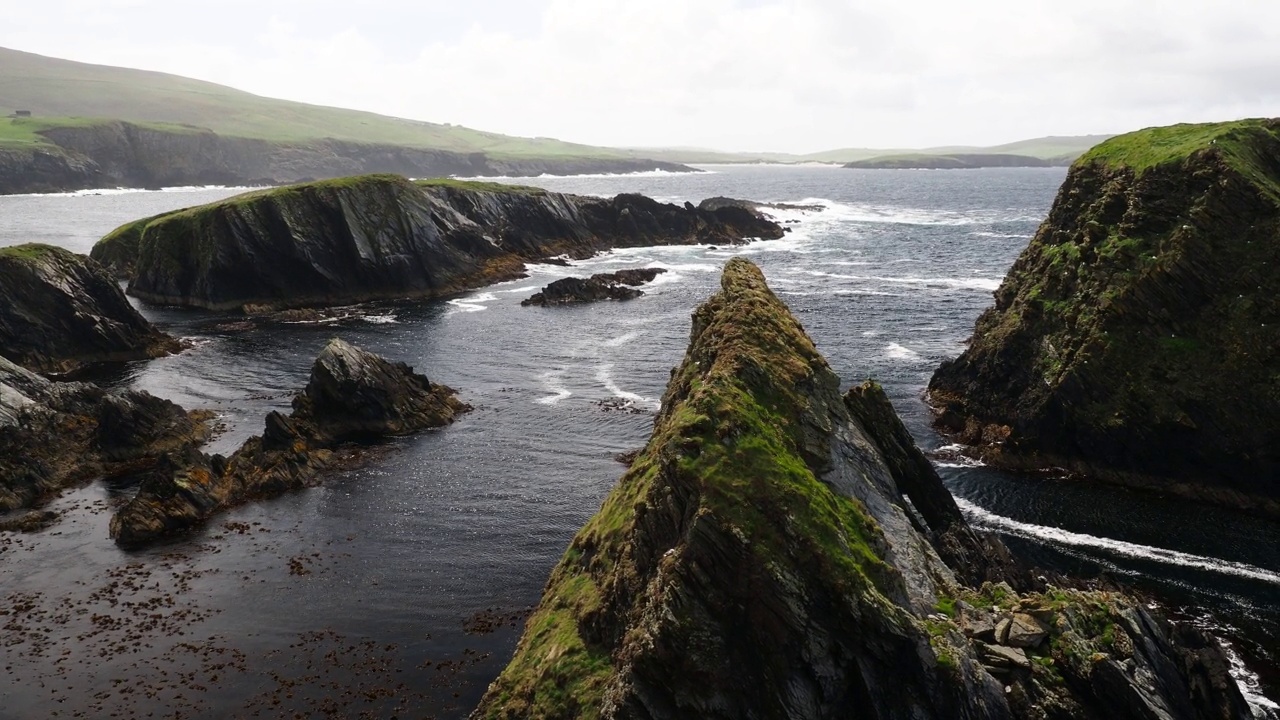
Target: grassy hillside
x,y
61,92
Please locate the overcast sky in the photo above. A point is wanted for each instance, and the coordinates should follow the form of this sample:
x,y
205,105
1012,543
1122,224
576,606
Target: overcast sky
x,y
786,75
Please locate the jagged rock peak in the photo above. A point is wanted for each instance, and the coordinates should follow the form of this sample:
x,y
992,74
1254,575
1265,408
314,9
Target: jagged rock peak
x,y
60,311
759,560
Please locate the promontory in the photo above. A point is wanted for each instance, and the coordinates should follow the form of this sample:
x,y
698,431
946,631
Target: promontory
x,y
1137,338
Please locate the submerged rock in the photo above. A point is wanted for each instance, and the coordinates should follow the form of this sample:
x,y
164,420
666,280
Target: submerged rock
x,y
1136,338
618,285
54,435
761,558
353,395
60,311
382,236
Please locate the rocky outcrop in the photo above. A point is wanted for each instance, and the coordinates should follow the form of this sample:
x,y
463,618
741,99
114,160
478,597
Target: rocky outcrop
x,y
382,236
762,558
124,154
60,311
352,396
54,435
1135,340
601,286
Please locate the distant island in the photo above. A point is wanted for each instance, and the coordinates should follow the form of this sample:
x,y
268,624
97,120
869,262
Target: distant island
x,y
954,161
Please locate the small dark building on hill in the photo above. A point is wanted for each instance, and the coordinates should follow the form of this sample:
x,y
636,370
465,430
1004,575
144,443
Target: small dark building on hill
x,y
21,113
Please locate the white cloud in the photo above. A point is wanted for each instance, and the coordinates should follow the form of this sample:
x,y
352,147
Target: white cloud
x,y
794,75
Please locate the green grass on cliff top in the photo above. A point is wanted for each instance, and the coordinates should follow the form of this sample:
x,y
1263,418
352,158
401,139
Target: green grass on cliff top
x,y
480,186
1151,147
29,251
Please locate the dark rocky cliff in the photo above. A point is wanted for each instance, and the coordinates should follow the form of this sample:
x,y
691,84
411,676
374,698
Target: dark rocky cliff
x,y
760,559
60,311
111,154
1137,337
53,434
382,236
352,396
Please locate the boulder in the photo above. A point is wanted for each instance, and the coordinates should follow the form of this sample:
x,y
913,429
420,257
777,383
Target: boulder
x,y
1026,631
60,312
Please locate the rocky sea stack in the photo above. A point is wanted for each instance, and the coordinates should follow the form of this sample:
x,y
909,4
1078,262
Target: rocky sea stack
x,y
60,312
1136,339
385,237
352,396
53,435
620,285
760,559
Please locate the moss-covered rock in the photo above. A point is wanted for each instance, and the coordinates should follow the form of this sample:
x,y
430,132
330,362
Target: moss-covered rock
x,y
1137,337
382,236
60,311
760,559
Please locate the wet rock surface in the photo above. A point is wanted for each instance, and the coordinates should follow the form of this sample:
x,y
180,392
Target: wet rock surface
x,y
60,312
760,558
382,236
54,435
1134,341
618,285
352,396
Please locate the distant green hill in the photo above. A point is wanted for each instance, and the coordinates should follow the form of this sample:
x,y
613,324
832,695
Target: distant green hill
x,y
950,161
55,91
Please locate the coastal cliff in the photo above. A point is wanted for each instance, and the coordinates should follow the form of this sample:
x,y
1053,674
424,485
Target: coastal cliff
x,y
53,435
1136,339
383,236
774,551
116,153
60,312
352,396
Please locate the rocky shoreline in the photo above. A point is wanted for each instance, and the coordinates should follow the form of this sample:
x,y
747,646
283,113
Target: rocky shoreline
x,y
620,285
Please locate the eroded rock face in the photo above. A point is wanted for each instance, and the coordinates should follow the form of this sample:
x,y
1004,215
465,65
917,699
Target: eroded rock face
x,y
53,435
60,311
382,236
353,395
1136,338
618,285
760,559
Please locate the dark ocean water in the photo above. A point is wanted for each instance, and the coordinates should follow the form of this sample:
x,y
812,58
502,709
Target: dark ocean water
x,y
379,591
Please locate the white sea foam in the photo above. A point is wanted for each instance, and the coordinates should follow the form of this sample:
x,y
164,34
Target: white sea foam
x,y
691,267
380,319
474,303
988,284
899,352
1250,686
552,383
621,339
1011,236
604,377
1058,536
130,191
865,292
666,278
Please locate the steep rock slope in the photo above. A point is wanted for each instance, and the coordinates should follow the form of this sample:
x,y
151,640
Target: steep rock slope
x,y
382,236
352,396
1137,337
759,560
60,311
53,435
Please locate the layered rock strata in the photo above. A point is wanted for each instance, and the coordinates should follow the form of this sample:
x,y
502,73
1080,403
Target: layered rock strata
x,y
1136,339
353,396
384,237
769,554
60,312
